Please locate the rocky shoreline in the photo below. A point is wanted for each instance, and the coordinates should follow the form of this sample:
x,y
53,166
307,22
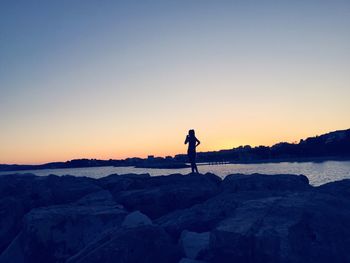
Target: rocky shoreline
x,y
176,218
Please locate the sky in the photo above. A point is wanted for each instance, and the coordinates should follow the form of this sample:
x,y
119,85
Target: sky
x,y
116,79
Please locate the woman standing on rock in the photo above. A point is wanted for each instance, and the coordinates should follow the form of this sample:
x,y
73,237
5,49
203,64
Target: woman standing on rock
x,y
193,142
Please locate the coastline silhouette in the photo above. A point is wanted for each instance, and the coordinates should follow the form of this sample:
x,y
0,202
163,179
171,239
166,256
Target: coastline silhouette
x,y
193,142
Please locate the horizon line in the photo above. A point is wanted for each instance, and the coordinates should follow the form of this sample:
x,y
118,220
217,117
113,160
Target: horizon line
x,y
163,156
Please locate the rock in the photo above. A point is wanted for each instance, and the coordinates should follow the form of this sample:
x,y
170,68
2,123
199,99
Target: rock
x,y
136,219
198,218
338,188
187,260
147,244
262,182
116,183
20,193
162,196
256,218
14,253
26,188
46,190
66,189
203,217
52,234
193,243
102,197
175,179
11,212
301,227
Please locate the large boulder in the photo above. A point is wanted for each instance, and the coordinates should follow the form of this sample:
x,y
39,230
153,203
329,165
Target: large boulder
x,y
11,212
46,190
25,188
146,243
193,243
136,219
102,197
300,227
338,188
175,179
66,189
199,218
163,195
204,216
116,183
19,193
54,233
188,260
263,182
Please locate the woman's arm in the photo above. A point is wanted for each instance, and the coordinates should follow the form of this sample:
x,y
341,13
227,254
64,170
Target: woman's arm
x,y
198,142
186,141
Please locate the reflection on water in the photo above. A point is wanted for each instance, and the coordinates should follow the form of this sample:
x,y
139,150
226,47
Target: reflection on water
x,y
318,173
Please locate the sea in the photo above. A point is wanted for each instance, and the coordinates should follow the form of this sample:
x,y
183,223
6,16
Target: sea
x,y
318,172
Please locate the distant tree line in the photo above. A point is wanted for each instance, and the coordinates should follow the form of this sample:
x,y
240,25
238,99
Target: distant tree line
x,y
332,145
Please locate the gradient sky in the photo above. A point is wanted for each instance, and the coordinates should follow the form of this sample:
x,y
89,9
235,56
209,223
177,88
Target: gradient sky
x,y
115,79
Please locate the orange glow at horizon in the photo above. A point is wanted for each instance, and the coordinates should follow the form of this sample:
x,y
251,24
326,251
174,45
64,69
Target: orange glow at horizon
x,y
158,147
121,79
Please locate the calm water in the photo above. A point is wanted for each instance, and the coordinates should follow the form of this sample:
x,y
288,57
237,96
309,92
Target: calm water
x,y
318,173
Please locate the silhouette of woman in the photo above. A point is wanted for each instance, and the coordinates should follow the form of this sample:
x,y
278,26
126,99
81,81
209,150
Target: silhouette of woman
x,y
193,142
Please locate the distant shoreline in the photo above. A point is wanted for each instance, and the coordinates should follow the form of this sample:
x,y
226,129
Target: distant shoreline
x,y
332,146
282,160
161,166
295,160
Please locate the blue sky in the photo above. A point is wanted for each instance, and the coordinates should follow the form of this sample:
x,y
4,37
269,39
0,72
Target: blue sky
x,y
111,79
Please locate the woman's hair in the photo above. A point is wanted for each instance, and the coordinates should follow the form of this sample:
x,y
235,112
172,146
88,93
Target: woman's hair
x,y
191,133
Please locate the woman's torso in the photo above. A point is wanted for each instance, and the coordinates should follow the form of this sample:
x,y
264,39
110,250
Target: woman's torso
x,y
192,144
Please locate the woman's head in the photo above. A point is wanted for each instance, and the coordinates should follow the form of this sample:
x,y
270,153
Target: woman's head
x,y
191,133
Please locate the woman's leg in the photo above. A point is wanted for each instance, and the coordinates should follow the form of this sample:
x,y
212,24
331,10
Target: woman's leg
x,y
194,162
193,167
